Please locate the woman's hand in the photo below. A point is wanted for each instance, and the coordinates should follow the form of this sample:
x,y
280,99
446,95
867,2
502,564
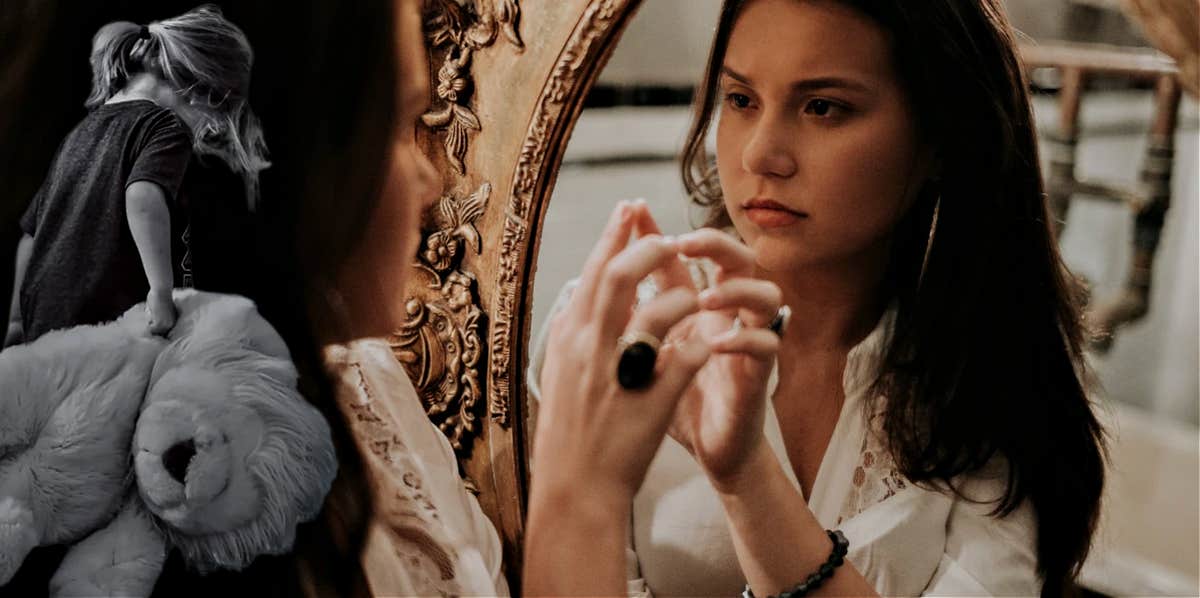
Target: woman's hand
x,y
720,417
591,432
594,439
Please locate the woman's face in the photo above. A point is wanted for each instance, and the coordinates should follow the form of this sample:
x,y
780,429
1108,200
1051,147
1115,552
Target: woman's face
x,y
376,275
415,182
817,152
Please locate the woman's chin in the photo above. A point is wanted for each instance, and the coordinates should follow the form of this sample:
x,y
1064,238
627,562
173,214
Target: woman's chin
x,y
781,254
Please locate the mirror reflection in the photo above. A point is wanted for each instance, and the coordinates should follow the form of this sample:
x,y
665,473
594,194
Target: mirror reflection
x,y
1117,139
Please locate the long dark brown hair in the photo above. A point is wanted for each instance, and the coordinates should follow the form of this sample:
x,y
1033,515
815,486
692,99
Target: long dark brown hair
x,y
324,85
985,359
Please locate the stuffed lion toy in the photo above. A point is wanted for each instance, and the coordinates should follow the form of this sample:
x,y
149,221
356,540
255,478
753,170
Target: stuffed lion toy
x,y
125,446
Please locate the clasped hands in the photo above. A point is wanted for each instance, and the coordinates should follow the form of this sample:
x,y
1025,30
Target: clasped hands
x,y
710,379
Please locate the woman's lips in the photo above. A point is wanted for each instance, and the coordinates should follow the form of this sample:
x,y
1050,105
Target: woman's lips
x,y
768,213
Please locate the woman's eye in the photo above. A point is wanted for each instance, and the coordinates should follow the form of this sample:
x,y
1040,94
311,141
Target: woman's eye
x,y
822,108
739,101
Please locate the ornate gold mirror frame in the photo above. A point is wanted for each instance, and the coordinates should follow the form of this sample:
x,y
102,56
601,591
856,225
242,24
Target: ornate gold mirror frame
x,y
509,79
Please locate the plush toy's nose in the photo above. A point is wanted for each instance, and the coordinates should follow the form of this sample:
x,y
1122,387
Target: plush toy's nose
x,y
175,459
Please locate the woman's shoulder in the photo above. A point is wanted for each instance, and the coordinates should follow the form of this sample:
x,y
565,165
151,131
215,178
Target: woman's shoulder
x,y
938,538
424,515
976,493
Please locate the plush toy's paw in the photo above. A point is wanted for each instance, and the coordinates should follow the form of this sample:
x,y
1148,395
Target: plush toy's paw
x,y
17,537
124,558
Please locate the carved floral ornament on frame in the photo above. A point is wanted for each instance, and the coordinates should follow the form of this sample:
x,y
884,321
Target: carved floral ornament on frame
x,y
441,341
456,29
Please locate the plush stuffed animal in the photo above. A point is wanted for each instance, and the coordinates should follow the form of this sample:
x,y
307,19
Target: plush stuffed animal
x,y
130,445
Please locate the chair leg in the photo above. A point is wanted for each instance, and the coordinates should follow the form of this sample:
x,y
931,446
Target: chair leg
x,y
1133,301
1062,145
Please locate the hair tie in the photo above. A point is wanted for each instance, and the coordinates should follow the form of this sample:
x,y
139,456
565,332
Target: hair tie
x,y
144,32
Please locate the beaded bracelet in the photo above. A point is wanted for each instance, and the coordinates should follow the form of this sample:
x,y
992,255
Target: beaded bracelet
x,y
840,546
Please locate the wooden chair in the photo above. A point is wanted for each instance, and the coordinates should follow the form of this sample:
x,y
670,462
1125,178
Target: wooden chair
x,y
1150,198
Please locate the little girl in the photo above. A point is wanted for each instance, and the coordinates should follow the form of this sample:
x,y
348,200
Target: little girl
x,y
99,233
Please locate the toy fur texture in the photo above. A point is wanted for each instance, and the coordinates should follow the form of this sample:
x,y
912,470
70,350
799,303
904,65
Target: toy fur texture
x,y
127,445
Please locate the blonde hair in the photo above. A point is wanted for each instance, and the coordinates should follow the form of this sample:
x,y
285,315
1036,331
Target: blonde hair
x,y
206,59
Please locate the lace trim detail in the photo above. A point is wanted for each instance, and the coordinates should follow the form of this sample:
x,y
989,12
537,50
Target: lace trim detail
x,y
875,480
403,501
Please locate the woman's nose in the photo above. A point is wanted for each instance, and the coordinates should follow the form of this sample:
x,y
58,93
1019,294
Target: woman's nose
x,y
768,150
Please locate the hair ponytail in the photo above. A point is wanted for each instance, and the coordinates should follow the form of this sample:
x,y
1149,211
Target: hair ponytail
x,y
207,60
113,60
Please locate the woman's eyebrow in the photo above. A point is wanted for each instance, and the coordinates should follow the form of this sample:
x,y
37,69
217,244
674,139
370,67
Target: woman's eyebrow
x,y
732,74
805,85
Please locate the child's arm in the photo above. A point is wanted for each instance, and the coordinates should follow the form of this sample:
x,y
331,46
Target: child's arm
x,y
150,223
15,330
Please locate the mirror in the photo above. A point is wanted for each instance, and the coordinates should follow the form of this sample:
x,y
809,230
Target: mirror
x,y
627,140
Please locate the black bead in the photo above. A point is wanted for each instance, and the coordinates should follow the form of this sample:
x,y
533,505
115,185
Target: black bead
x,y
635,369
826,570
800,590
840,544
813,579
836,560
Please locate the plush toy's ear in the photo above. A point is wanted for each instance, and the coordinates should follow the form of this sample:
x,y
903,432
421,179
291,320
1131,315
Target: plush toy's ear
x,y
208,320
215,317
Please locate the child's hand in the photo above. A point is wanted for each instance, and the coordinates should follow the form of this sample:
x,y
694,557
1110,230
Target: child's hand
x,y
161,310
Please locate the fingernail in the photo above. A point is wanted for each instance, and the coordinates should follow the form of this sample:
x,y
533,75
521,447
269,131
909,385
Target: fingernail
x,y
707,297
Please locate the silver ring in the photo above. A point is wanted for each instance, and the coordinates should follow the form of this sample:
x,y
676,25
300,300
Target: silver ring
x,y
782,317
778,323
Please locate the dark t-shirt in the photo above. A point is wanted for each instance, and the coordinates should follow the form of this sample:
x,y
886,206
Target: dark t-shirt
x,y
85,268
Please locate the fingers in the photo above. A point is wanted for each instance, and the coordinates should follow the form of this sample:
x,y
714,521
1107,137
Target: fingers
x,y
161,326
677,367
160,315
673,274
759,343
659,315
618,284
756,300
732,256
614,238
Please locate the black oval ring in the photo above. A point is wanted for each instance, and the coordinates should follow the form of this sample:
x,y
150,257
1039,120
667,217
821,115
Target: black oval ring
x,y
635,368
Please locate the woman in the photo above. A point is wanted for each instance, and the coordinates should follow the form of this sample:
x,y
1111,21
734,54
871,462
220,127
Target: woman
x,y
879,165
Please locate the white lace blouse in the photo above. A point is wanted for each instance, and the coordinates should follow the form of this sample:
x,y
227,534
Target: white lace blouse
x,y
428,535
906,540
